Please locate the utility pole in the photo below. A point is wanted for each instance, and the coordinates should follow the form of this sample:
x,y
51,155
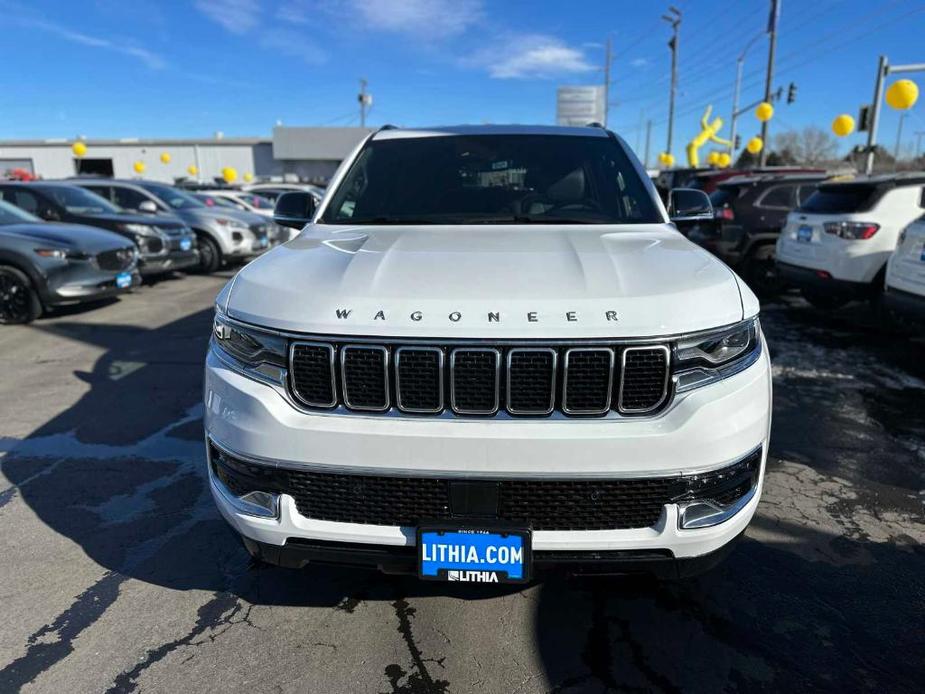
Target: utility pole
x,y
674,19
648,138
884,70
740,61
772,31
899,137
365,101
608,59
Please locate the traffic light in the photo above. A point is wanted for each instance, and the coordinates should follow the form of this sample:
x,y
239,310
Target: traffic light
x,y
737,143
791,93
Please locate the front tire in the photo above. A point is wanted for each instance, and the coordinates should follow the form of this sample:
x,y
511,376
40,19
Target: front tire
x,y
19,303
210,255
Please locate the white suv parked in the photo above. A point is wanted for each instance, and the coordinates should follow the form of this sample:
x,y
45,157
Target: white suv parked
x,y
905,273
836,246
488,352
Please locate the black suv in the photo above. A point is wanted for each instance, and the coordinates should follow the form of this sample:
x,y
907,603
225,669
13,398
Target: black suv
x,y
748,215
164,244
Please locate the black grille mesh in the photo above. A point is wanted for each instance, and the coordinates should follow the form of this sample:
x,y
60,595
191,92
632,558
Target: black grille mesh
x,y
644,373
574,380
536,504
475,380
419,377
531,379
364,377
120,259
588,382
312,379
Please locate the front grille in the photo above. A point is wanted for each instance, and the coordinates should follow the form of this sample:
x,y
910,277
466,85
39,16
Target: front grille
x,y
480,381
537,504
644,379
117,260
364,376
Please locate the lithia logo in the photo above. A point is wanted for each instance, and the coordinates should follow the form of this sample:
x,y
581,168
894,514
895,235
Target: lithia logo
x,y
490,316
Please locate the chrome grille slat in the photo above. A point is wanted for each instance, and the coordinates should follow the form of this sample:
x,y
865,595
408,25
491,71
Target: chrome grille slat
x,y
644,377
475,376
311,368
419,379
531,380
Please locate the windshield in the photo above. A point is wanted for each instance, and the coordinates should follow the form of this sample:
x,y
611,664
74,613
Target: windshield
x,y
10,214
79,200
493,179
175,198
258,202
840,199
217,201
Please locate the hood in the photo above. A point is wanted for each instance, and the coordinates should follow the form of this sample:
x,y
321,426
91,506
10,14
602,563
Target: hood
x,y
487,281
74,236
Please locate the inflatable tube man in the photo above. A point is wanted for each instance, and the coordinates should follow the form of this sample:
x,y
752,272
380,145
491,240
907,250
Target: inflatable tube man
x,y
707,133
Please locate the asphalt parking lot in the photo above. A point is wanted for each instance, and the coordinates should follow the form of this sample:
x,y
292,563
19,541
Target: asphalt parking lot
x,y
119,575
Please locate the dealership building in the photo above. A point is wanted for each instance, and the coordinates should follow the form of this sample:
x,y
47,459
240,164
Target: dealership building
x,y
292,153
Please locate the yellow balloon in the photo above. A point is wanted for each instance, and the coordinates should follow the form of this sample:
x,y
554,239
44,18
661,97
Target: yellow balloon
x,y
192,169
139,167
902,94
723,160
666,159
764,111
754,145
248,177
229,174
165,158
843,125
79,149
713,158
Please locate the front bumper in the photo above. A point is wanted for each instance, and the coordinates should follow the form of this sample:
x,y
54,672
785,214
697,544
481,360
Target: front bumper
x,y
174,260
705,429
72,288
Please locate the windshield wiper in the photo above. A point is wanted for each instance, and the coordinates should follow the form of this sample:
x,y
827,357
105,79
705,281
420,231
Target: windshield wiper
x,y
529,219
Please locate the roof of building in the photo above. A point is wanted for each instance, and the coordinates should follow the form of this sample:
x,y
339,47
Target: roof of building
x,y
316,143
141,142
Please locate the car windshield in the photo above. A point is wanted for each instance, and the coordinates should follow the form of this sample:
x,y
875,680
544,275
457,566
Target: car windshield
x,y
216,201
175,198
10,214
79,200
258,202
840,199
493,179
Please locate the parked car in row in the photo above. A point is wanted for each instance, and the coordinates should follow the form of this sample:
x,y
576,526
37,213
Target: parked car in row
x,y
749,213
43,265
222,235
240,200
272,191
905,273
164,245
835,247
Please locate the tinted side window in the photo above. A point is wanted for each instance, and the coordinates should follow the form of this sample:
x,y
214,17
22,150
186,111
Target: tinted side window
x,y
102,191
23,199
804,193
779,197
845,197
127,198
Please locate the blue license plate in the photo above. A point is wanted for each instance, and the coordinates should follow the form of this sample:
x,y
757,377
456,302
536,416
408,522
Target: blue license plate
x,y
922,257
263,242
124,280
186,244
805,234
474,556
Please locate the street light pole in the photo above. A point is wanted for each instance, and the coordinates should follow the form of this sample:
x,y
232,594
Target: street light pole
x,y
899,137
740,62
674,19
772,31
648,138
608,59
884,70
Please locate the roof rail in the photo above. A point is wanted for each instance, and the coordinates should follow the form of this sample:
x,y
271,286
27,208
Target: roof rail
x,y
387,127
595,124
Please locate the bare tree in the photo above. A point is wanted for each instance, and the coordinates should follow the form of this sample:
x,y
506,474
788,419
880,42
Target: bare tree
x,y
811,145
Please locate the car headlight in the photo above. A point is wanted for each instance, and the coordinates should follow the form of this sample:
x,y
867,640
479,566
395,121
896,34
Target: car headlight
x,y
712,356
253,352
231,223
143,229
60,254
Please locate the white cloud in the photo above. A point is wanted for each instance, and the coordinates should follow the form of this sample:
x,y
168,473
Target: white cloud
x,y
293,44
530,56
236,16
149,58
424,18
639,62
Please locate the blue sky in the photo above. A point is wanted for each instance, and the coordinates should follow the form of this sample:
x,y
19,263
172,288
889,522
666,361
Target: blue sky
x,y
143,68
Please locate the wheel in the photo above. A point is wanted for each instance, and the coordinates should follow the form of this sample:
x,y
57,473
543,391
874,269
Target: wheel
x,y
210,255
18,301
823,302
760,272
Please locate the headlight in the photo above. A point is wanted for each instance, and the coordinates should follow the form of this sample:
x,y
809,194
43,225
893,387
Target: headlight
x,y
142,229
231,223
709,357
61,254
253,352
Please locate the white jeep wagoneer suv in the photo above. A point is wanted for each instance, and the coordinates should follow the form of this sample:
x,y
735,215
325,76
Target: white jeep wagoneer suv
x,y
489,351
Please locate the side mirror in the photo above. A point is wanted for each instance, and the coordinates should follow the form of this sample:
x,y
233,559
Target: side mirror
x,y
49,214
147,206
294,209
689,205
